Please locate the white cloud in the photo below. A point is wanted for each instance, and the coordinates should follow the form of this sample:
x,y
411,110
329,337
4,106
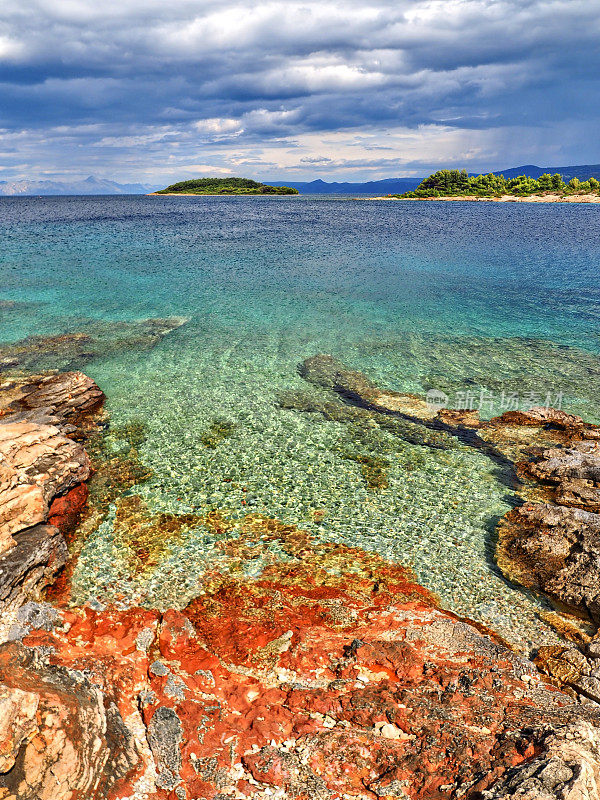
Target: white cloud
x,y
285,84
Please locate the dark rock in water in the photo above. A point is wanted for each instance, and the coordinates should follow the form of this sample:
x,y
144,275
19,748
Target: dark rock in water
x,y
219,430
58,739
326,371
329,373
367,439
550,547
94,339
338,411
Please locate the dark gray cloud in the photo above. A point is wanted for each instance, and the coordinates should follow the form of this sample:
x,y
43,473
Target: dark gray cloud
x,y
142,88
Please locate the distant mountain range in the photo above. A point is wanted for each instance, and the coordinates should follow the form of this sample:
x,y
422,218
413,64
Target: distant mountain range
x,y
581,171
93,185
88,186
386,186
399,185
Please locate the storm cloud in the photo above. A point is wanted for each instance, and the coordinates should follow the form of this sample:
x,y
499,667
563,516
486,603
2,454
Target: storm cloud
x,y
141,89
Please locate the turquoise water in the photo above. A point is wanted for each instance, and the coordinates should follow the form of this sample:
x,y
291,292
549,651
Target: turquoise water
x,y
458,297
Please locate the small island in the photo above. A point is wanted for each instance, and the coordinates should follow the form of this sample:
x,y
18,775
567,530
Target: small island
x,y
454,184
224,186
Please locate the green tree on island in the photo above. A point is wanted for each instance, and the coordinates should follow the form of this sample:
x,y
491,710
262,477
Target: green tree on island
x,y
225,186
458,183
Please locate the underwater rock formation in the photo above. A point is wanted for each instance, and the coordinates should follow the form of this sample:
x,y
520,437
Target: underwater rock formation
x,y
553,456
94,339
329,373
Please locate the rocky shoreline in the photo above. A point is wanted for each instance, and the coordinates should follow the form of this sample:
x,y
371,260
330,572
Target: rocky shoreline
x,y
331,674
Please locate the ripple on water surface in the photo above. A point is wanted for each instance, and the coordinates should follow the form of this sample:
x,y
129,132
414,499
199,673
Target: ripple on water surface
x,y
455,297
225,433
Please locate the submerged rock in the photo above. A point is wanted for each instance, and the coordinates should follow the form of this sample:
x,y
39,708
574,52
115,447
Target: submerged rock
x,y
329,373
546,453
94,339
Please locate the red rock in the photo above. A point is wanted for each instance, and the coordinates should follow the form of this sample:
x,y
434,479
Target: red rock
x,y
395,693
65,511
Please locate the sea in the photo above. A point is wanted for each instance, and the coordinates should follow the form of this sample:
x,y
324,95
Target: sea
x,y
495,305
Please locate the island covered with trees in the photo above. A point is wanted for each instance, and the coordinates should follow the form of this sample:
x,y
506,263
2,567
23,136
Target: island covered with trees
x,y
454,184
225,186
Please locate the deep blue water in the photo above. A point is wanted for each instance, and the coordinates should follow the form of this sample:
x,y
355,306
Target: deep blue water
x,y
456,296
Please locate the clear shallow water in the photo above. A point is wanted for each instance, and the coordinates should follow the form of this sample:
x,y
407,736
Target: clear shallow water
x,y
452,296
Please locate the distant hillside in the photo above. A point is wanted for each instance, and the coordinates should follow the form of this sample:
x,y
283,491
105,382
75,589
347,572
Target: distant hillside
x,y
225,186
386,186
89,186
582,171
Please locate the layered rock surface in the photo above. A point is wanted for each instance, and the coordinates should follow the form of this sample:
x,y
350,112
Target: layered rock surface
x,y
59,738
39,464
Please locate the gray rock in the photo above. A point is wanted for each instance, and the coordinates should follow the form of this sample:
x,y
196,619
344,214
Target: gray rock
x,y
29,566
568,767
158,668
34,616
165,734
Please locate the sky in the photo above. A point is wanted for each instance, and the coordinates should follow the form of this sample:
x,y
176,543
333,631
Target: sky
x,y
162,90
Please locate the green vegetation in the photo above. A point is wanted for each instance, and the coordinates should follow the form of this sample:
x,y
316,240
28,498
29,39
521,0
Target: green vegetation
x,y
225,186
456,183
219,430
